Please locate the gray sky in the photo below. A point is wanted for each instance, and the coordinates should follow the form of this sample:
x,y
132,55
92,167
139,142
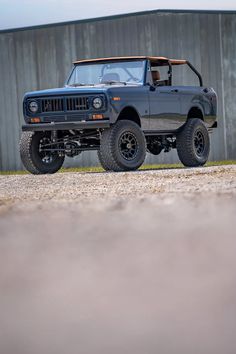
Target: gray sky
x,y
21,13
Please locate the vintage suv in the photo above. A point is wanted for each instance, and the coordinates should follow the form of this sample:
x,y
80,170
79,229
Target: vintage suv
x,y
122,108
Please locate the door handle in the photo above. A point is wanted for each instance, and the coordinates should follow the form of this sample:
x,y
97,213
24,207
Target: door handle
x,y
175,90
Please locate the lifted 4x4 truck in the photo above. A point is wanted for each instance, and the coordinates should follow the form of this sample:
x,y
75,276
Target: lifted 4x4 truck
x,y
122,108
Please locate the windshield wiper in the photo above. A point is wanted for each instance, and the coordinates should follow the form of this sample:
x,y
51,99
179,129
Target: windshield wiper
x,y
114,82
80,84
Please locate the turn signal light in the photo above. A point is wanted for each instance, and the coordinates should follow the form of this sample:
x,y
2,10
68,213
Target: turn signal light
x,y
116,98
35,120
97,116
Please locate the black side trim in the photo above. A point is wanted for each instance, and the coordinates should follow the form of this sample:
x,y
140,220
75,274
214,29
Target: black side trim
x,y
65,126
160,132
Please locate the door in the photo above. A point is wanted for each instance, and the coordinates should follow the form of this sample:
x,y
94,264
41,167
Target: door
x,y
165,108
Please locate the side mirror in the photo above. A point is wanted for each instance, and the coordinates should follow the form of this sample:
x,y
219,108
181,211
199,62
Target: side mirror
x,y
152,88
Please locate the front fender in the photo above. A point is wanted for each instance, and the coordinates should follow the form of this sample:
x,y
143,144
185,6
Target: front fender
x,y
135,98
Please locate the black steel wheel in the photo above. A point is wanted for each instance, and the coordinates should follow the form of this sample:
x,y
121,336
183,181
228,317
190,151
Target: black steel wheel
x,y
33,155
128,146
193,143
122,147
199,143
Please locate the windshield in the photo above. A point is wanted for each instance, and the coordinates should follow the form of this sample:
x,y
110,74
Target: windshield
x,y
126,72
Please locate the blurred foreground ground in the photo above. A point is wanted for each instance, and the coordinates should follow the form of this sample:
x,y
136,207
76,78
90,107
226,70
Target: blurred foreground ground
x,y
131,263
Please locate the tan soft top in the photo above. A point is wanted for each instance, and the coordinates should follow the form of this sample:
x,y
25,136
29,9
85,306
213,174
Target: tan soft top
x,y
152,59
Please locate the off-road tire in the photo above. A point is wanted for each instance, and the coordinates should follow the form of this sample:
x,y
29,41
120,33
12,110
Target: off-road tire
x,y
115,155
102,161
193,143
29,151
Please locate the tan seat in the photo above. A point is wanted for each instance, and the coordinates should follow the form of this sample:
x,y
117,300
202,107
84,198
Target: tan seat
x,y
156,76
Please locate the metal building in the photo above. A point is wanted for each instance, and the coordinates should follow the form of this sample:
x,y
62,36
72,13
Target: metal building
x,y
40,57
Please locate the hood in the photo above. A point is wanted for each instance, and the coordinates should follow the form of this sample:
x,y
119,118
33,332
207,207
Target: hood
x,y
68,90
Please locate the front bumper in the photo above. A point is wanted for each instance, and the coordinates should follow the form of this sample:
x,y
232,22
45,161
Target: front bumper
x,y
66,126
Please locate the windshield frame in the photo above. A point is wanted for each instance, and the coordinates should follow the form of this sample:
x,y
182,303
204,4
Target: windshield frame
x,y
141,83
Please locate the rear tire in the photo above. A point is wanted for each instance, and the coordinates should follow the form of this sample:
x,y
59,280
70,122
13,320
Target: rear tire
x,y
193,143
37,162
122,147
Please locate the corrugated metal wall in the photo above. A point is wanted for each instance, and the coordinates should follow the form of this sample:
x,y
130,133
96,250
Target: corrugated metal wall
x,y
41,58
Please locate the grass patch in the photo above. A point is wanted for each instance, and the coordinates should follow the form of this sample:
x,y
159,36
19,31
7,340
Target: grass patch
x,y
179,165
142,168
9,173
221,163
82,169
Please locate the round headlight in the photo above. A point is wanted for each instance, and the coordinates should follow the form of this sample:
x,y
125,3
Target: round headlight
x,y
97,103
33,106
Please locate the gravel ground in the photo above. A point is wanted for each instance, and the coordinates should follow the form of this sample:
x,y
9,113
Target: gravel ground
x,y
106,186
110,263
